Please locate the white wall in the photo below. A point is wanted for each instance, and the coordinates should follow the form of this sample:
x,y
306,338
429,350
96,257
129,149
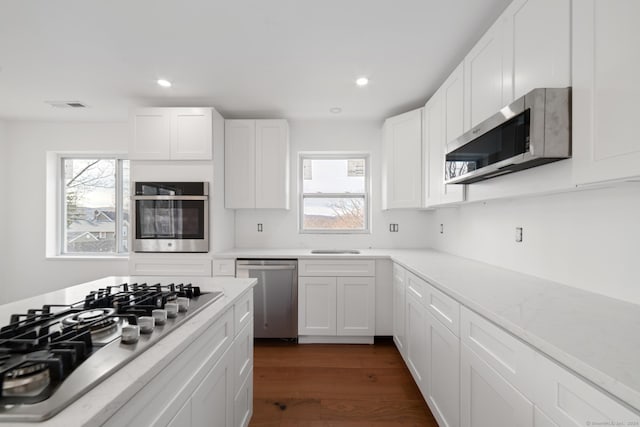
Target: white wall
x,y
588,239
27,271
281,227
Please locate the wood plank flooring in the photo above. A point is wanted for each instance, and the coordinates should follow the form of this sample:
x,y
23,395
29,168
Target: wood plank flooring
x,y
334,385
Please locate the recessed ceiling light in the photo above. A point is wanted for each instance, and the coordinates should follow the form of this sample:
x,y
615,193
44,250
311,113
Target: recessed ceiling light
x,y
336,110
362,81
164,83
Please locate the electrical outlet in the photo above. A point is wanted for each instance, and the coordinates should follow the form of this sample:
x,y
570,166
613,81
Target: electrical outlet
x,y
441,228
518,234
393,228
259,228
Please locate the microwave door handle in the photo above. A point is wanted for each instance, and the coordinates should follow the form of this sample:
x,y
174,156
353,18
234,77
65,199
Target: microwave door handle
x,y
170,197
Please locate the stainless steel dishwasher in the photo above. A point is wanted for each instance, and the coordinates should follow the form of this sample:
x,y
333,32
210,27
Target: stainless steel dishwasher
x,y
275,297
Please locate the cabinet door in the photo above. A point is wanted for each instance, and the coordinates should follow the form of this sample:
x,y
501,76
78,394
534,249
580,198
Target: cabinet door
x,y
433,150
452,128
417,351
191,134
540,419
183,417
240,164
606,66
150,137
399,277
487,399
443,366
402,171
356,306
243,356
212,402
272,164
487,75
317,306
540,58
244,403
570,402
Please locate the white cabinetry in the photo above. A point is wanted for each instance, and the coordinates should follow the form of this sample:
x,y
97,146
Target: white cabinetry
x,y
487,399
256,164
527,47
443,122
399,296
336,301
209,383
488,81
606,66
416,315
540,44
570,402
402,161
443,368
171,134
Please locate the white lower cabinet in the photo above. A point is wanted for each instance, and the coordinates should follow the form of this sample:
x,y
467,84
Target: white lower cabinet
x,y
443,372
212,402
570,402
487,399
317,306
540,419
399,296
416,344
336,301
210,383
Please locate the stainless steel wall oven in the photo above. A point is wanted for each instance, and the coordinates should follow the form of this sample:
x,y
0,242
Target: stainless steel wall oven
x,y
171,217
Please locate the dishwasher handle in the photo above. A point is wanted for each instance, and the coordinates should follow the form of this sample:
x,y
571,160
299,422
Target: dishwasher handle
x,y
265,267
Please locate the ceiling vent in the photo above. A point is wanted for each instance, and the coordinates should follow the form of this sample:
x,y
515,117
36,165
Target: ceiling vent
x,y
66,104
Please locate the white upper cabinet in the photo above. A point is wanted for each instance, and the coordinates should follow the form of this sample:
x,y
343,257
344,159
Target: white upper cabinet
x,y
606,89
191,134
256,164
540,43
529,46
171,134
443,122
402,168
488,71
272,164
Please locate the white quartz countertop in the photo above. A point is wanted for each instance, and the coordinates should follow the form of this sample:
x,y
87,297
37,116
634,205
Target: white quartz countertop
x,y
593,335
98,404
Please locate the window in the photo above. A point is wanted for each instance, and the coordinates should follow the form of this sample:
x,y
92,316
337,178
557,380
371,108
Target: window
x,y
95,206
334,196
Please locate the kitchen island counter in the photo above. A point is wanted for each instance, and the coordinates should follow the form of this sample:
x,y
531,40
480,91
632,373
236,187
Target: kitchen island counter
x,y
97,405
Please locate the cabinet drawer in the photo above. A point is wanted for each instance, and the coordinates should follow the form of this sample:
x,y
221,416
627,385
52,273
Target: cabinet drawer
x,y
243,403
362,268
224,267
445,309
571,402
503,352
243,311
417,288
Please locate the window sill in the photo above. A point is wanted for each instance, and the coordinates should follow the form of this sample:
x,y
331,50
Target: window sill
x,y
88,257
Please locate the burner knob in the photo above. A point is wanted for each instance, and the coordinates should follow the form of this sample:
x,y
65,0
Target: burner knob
x,y
160,316
172,309
130,334
146,324
183,304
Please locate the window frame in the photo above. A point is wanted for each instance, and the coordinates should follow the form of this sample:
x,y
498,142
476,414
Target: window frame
x,y
334,155
61,235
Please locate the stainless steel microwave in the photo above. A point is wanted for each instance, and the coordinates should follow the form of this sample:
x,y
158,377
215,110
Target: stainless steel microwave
x,y
531,131
171,217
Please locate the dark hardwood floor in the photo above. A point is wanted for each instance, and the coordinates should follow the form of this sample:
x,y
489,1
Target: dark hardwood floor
x,y
334,385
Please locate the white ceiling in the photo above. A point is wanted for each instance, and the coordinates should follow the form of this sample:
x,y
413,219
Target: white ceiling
x,y
248,58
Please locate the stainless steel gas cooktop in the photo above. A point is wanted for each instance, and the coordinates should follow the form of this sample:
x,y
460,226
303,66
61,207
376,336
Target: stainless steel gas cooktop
x,y
50,356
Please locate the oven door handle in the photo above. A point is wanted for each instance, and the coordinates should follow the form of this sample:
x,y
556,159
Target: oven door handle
x,y
175,198
265,267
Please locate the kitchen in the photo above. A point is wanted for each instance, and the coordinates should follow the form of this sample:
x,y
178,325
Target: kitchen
x,y
583,236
